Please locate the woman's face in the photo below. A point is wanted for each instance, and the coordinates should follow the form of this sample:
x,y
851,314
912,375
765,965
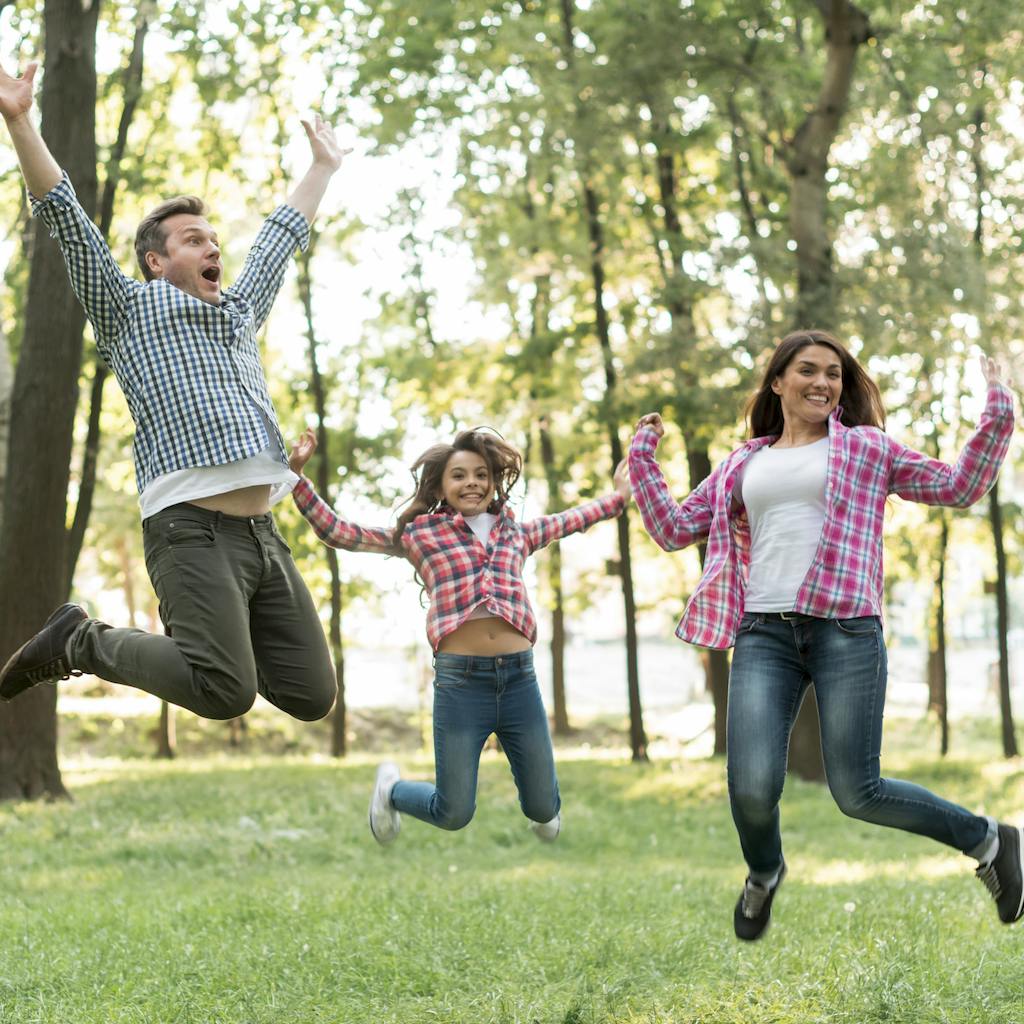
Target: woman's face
x,y
466,483
810,386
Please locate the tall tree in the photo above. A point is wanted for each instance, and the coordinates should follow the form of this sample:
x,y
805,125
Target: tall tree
x,y
33,542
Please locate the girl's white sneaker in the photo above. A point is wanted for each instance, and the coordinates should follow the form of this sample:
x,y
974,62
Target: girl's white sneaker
x,y
547,831
385,821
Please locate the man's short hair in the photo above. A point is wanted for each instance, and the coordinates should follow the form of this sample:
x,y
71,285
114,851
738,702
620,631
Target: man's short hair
x,y
151,236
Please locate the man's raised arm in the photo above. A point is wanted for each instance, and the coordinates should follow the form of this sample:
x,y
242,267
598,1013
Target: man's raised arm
x,y
327,156
41,171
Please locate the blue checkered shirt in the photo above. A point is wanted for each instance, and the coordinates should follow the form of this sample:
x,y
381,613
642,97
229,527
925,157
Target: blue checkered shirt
x,y
190,370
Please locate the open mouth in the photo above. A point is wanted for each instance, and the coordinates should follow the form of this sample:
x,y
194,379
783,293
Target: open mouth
x,y
212,274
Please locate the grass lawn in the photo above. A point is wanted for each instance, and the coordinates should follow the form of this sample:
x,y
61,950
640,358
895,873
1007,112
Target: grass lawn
x,y
247,889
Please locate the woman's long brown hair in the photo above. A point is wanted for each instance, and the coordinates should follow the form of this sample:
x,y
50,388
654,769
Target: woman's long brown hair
x,y
503,460
861,401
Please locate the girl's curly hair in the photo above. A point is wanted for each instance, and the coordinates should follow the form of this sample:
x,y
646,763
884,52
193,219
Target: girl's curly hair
x,y
503,460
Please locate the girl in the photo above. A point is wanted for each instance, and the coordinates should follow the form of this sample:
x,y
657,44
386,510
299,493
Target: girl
x,y
793,578
468,550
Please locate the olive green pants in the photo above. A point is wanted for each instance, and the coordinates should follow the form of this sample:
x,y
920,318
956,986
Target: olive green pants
x,y
238,617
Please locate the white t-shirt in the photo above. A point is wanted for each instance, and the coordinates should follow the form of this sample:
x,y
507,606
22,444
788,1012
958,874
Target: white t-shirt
x,y
481,525
265,467
783,491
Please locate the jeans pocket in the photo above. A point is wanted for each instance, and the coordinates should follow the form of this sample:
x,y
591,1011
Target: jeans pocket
x,y
861,625
189,533
747,624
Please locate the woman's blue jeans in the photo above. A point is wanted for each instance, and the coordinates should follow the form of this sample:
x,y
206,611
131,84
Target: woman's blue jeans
x,y
474,697
774,661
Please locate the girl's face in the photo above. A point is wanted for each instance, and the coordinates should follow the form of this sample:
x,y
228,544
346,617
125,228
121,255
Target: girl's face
x,y
466,483
810,386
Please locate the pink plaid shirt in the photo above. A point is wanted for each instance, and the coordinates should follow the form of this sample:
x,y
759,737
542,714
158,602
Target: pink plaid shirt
x,y
459,573
865,465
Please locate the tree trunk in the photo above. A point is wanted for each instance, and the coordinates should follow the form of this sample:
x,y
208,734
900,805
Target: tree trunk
x,y
807,155
6,383
846,30
716,663
1009,732
339,725
938,691
33,567
595,233
561,714
132,76
995,512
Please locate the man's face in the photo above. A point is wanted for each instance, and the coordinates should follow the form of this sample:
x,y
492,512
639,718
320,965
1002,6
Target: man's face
x,y
193,260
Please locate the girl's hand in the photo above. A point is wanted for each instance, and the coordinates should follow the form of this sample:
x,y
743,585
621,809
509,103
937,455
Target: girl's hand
x,y
652,421
621,479
302,451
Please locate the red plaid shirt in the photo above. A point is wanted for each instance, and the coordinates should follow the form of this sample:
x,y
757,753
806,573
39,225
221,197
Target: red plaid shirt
x,y
459,573
865,466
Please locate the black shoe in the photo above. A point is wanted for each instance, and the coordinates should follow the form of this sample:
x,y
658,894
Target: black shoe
x,y
753,911
43,659
1002,875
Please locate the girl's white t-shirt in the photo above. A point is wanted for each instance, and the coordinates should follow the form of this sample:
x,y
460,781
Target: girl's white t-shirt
x,y
783,491
481,525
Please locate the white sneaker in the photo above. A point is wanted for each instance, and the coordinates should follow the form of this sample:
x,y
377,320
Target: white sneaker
x,y
385,821
547,831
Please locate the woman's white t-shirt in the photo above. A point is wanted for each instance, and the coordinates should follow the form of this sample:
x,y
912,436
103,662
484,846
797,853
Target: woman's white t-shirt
x,y
783,491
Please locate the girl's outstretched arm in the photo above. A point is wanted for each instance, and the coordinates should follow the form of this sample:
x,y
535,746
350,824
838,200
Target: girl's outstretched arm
x,y
917,477
672,525
329,526
539,533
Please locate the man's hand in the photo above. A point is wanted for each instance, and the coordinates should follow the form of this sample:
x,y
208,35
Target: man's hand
x,y
323,145
16,93
302,451
620,479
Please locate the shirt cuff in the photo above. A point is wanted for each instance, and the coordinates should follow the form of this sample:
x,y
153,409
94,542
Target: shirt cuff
x,y
288,217
62,194
645,441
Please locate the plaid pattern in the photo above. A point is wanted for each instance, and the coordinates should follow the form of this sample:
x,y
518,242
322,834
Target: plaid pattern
x,y
190,371
458,573
865,465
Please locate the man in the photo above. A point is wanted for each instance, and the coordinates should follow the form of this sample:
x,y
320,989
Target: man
x,y
209,456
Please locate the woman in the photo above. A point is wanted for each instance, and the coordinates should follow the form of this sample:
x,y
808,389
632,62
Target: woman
x,y
793,578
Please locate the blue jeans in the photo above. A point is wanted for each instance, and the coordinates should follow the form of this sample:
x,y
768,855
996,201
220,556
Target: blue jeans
x,y
773,663
473,697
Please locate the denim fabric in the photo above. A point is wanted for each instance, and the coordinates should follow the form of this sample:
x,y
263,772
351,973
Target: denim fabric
x,y
774,661
474,697
238,617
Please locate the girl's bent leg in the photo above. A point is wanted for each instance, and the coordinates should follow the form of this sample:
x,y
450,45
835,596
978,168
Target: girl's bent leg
x,y
849,666
464,716
525,737
765,684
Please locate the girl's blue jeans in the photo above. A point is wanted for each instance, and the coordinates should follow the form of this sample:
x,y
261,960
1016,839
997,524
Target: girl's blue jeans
x,y
474,697
774,661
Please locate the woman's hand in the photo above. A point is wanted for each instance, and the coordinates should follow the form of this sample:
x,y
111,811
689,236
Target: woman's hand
x,y
652,421
621,479
992,371
302,451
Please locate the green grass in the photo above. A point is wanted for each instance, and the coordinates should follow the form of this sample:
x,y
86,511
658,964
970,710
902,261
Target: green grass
x,y
247,889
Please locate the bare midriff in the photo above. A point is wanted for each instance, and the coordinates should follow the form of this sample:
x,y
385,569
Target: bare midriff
x,y
246,501
485,638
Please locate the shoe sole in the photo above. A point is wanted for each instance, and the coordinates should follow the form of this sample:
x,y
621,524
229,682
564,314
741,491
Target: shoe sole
x,y
1020,867
8,693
